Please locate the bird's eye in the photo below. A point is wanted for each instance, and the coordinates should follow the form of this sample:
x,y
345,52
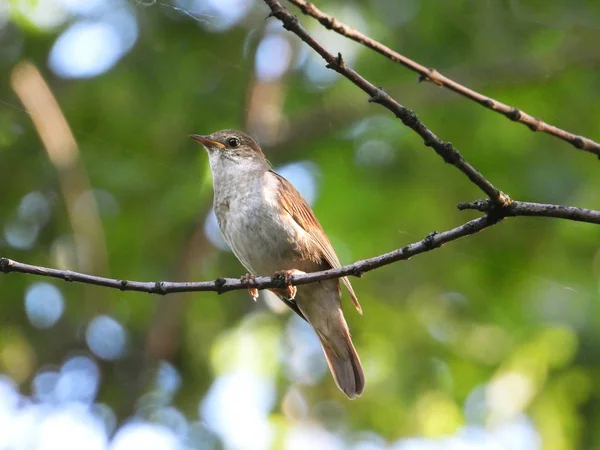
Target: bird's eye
x,y
233,142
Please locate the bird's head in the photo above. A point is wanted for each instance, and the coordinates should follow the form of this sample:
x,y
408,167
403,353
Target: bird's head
x,y
230,144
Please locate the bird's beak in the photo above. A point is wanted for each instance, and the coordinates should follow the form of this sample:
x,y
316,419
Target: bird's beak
x,y
207,142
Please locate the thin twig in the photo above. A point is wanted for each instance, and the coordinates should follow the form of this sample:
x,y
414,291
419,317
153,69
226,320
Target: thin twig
x,y
494,214
428,74
378,95
536,209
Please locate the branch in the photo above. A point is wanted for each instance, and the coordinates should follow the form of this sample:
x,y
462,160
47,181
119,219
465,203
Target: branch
x,y
430,242
517,208
378,95
494,214
313,123
427,74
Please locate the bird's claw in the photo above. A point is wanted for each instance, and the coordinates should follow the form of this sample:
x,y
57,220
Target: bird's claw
x,y
289,291
250,279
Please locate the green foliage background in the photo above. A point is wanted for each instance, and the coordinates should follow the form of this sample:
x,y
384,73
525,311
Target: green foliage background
x,y
512,312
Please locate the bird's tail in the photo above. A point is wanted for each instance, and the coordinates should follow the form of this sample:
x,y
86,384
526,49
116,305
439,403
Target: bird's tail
x,y
341,356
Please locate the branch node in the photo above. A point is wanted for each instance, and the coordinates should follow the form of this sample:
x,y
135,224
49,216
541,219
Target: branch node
x,y
159,288
494,211
279,280
5,265
489,103
410,119
431,76
429,241
536,125
514,114
503,200
338,62
288,21
327,22
579,143
306,8
123,284
357,272
479,205
219,283
68,276
448,153
494,216
378,95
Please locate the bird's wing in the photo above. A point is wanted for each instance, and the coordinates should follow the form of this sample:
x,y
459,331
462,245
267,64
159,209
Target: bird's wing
x,y
305,218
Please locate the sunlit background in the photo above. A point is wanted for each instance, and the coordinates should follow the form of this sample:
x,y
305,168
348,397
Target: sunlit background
x,y
492,342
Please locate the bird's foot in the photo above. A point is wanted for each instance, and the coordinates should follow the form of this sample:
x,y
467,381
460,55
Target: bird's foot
x,y
289,291
249,278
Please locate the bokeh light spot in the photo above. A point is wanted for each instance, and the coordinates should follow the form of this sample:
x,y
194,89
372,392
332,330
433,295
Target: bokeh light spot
x,y
167,378
89,48
21,234
213,232
42,14
44,385
216,15
273,57
106,338
83,7
144,435
78,380
70,427
44,304
34,207
302,176
237,407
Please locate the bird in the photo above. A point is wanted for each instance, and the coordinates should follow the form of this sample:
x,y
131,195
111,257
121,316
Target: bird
x,y
271,229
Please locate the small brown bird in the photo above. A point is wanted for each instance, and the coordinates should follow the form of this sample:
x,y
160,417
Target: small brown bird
x,y
271,229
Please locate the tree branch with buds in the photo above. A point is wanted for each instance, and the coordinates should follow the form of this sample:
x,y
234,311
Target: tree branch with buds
x,y
377,95
432,75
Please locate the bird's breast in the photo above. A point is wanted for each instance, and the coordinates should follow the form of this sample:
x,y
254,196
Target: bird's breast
x,y
260,233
